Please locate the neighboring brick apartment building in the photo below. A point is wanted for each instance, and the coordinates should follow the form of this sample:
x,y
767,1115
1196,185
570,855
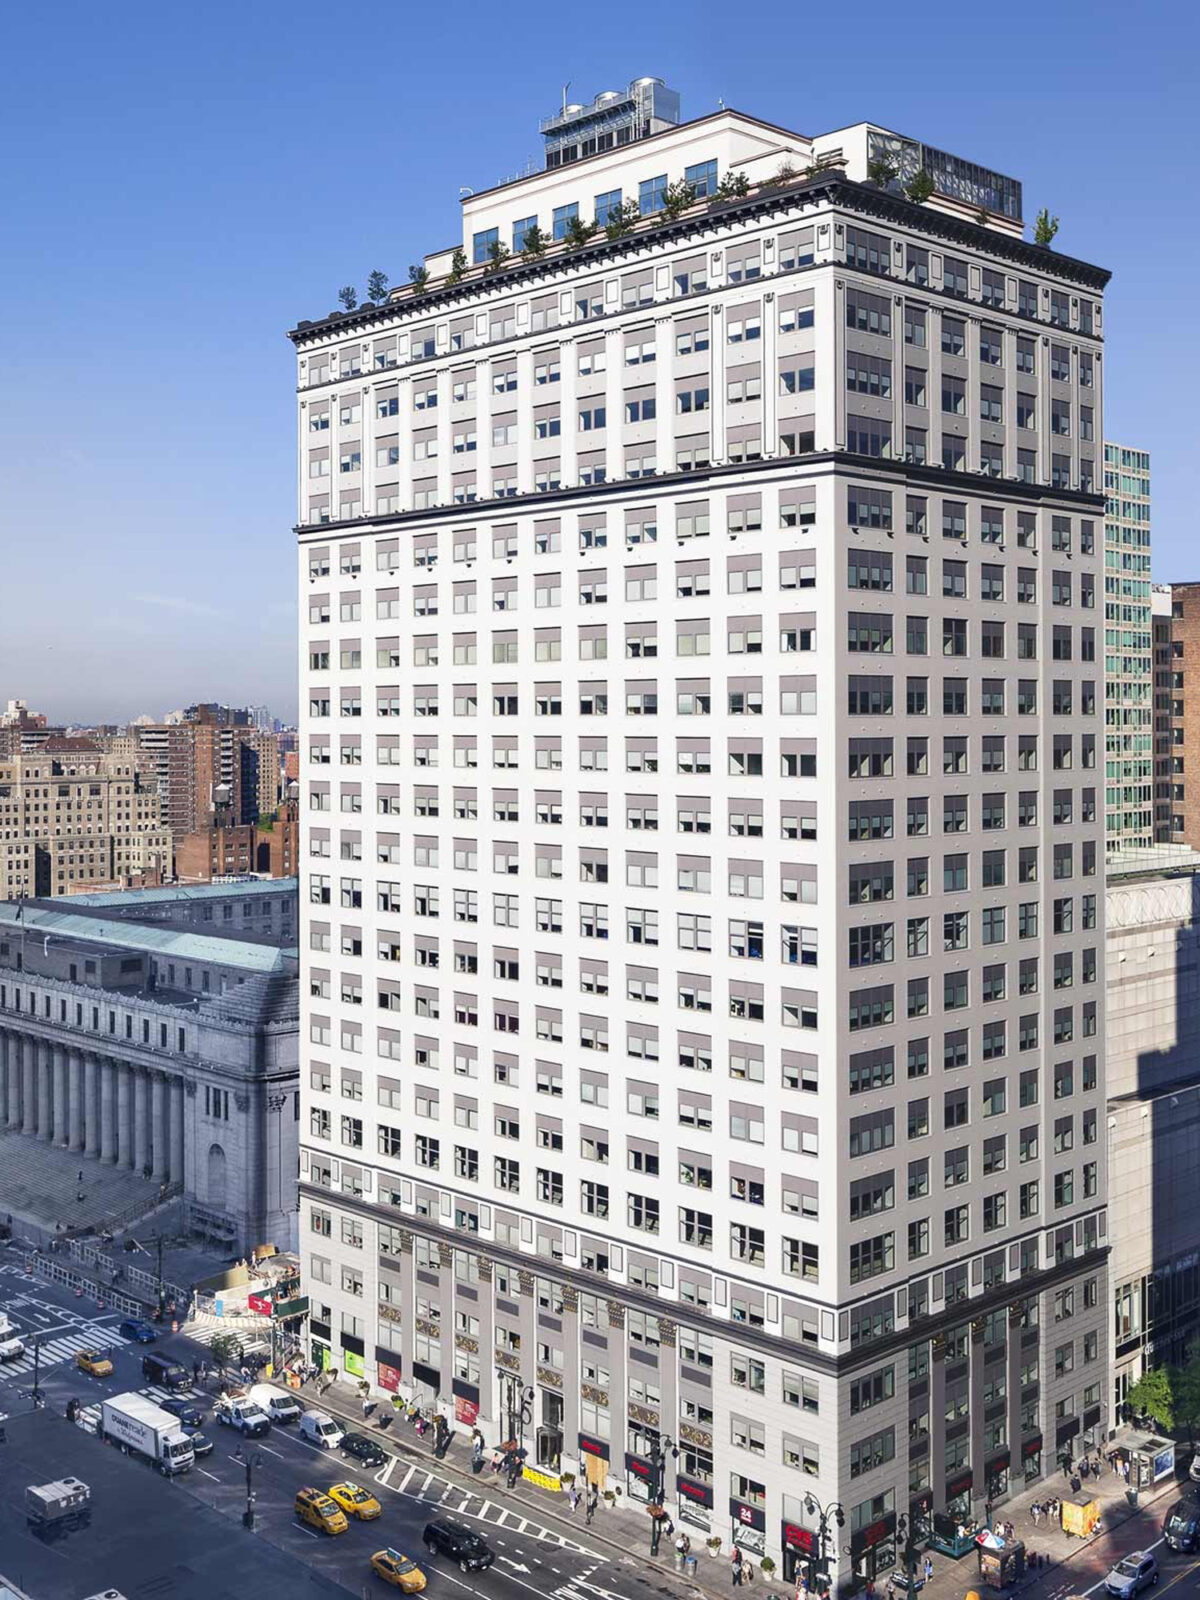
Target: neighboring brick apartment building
x,y
206,762
269,848
702,741
1185,714
71,816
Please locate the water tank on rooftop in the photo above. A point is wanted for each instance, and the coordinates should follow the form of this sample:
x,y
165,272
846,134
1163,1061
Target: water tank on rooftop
x,y
606,97
572,110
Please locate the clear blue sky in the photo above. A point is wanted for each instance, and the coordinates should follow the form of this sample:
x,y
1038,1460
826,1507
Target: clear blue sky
x,y
179,185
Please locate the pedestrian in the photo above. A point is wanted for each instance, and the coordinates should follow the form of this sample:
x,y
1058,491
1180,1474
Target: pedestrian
x,y
928,1568
682,1545
366,1407
196,1371
573,1498
735,1569
870,1589
891,1587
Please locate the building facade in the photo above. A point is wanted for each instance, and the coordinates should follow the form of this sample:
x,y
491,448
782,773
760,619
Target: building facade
x,y
1185,714
703,931
1153,1109
1129,776
71,816
168,1052
1160,621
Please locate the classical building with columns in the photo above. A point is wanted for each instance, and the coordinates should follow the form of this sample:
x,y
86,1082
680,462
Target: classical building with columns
x,y
166,1053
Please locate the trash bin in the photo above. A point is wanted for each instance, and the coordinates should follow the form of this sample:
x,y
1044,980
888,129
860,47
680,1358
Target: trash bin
x,y
689,1566
1132,1496
679,1561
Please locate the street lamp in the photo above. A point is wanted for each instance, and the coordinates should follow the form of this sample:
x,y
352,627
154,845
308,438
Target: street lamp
x,y
37,1367
907,1532
658,1486
825,1515
251,1463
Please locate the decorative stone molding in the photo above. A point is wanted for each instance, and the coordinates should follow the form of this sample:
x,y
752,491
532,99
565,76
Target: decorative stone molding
x,y
646,1415
506,1359
525,1283
570,1297
938,1347
484,1266
464,1341
667,1331
616,1314
548,1378
697,1436
241,1100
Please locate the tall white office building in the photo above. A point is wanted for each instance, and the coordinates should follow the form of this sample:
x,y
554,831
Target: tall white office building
x,y
702,738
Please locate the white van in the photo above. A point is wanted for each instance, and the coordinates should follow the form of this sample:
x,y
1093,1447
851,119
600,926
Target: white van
x,y
319,1428
10,1349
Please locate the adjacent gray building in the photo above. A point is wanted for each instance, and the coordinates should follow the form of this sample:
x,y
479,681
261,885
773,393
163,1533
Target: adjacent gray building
x,y
165,1051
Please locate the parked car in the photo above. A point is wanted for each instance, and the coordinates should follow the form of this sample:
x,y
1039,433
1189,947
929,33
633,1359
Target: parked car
x,y
93,1363
137,1330
318,1511
201,1444
1133,1573
362,1449
190,1414
459,1543
355,1501
399,1570
319,1428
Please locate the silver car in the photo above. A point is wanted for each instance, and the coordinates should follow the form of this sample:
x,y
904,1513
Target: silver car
x,y
1133,1573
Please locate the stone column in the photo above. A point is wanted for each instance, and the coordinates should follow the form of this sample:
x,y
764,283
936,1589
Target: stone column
x,y
60,1094
160,1129
141,1120
45,1078
75,1099
28,1086
108,1111
91,1103
124,1114
177,1161
12,1108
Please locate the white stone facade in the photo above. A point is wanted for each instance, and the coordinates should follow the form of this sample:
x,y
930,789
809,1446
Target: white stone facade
x,y
623,748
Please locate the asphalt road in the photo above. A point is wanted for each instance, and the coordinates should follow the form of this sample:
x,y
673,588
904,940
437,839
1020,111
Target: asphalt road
x,y
155,1513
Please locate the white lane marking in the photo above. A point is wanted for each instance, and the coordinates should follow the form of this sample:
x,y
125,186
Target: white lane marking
x,y
271,1452
208,1474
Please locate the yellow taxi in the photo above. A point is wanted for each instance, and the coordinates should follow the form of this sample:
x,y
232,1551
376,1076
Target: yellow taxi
x,y
319,1512
398,1570
93,1363
355,1502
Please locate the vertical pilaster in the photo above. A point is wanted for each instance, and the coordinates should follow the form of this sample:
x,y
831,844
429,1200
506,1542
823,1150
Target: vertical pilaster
x,y
28,1085
91,1104
160,1129
45,1091
177,1160
124,1114
59,1055
75,1099
108,1111
141,1119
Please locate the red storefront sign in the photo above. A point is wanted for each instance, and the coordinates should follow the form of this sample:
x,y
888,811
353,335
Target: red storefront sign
x,y
875,1534
260,1303
798,1538
465,1411
389,1377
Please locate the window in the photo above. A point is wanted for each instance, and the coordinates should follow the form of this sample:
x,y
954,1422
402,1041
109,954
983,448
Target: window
x,y
702,179
563,218
652,194
482,244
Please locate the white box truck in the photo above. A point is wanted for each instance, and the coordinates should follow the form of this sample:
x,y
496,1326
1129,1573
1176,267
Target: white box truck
x,y
135,1423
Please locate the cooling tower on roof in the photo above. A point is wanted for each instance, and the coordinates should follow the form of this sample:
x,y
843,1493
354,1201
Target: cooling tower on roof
x,y
614,118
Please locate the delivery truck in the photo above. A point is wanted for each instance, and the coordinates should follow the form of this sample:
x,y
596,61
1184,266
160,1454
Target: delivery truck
x,y
145,1429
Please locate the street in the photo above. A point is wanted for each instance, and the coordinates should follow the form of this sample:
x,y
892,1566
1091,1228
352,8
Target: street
x,y
530,1556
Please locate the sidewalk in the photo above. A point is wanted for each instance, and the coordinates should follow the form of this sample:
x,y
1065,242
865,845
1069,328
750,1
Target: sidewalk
x,y
1066,1565
623,1531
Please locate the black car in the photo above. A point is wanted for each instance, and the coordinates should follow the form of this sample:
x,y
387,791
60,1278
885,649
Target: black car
x,y
459,1543
200,1445
189,1413
1181,1526
363,1450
